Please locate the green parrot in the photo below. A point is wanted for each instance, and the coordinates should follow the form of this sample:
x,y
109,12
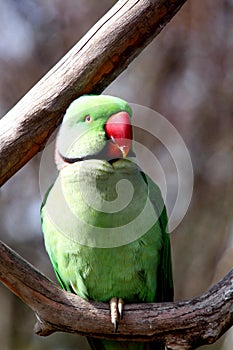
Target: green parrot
x,y
104,220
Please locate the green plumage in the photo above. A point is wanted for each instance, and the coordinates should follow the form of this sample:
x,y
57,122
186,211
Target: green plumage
x,y
104,223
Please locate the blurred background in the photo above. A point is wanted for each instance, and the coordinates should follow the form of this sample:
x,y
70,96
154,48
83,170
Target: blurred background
x,y
186,75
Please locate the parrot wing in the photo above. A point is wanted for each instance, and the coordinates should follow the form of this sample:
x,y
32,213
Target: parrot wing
x,y
62,283
165,291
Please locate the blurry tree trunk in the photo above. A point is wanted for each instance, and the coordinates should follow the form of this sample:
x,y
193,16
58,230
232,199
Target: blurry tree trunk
x,y
94,62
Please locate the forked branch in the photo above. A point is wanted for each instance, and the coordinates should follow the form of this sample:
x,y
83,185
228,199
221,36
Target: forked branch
x,y
180,325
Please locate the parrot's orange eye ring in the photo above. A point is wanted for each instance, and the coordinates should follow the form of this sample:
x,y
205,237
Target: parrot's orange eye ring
x,y
88,119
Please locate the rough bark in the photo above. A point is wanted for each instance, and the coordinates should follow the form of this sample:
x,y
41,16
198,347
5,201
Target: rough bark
x,y
180,325
95,61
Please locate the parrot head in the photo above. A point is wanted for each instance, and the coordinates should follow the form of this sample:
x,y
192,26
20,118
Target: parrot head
x,y
94,127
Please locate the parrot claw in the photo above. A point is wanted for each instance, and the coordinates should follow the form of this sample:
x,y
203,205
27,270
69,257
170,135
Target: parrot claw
x,y
115,325
120,307
116,309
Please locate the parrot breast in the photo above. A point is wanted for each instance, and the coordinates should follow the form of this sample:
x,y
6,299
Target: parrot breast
x,y
102,231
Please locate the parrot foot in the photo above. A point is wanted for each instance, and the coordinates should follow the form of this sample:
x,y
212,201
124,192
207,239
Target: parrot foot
x,y
116,309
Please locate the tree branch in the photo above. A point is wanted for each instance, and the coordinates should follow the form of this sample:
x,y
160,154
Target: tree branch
x,y
180,325
95,61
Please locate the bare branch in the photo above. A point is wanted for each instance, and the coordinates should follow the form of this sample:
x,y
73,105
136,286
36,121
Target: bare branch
x,y
180,325
95,61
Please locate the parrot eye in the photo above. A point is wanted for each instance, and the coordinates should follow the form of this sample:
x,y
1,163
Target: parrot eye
x,y
88,119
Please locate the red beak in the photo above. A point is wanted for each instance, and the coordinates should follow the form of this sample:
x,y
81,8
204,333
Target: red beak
x,y
118,129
